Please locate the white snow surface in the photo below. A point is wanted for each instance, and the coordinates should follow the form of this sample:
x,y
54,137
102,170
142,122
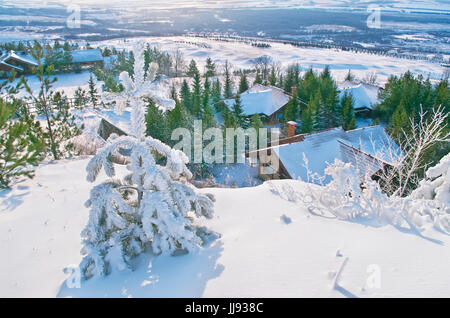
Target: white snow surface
x,y
258,255
242,56
260,99
364,95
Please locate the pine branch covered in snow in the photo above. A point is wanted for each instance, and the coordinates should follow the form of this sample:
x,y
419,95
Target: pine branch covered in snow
x,y
153,206
142,85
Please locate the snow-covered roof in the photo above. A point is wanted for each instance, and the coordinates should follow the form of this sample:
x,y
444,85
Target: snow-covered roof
x,y
78,56
261,99
364,95
371,144
83,56
11,55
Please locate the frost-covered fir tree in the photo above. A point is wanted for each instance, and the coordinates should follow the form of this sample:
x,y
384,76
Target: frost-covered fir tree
x,y
152,207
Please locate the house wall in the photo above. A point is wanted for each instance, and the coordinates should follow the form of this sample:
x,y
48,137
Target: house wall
x,y
280,174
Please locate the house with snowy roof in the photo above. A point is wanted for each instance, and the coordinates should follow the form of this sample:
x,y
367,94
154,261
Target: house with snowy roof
x,y
16,61
368,149
267,101
365,96
87,57
23,62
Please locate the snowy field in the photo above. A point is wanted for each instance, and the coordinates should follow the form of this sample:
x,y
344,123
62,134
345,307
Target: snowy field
x,y
270,246
242,55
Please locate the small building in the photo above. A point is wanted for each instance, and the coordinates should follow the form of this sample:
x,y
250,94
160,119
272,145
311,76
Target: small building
x,y
368,149
23,62
16,61
267,101
365,96
87,57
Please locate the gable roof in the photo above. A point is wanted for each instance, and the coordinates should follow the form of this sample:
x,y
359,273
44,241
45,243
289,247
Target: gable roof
x,y
78,56
84,56
261,99
11,55
367,148
364,95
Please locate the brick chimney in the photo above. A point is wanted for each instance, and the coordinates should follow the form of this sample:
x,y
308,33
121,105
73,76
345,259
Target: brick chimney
x,y
293,89
291,128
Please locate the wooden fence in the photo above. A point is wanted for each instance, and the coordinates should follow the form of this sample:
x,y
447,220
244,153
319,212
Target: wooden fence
x,y
32,108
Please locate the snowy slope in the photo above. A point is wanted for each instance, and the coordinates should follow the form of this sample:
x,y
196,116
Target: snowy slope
x,y
270,247
241,55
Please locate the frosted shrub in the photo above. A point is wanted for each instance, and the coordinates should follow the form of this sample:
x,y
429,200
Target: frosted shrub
x,y
436,186
153,206
347,197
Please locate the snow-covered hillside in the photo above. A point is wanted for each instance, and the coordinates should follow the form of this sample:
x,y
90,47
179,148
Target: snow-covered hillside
x,y
270,246
239,55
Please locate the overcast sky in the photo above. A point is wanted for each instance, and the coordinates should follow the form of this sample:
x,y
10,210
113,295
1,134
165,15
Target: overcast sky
x,y
163,4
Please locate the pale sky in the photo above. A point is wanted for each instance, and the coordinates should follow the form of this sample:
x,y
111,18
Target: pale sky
x,y
162,4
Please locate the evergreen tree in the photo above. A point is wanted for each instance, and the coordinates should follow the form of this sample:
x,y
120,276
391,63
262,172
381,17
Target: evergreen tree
x,y
216,91
178,117
442,95
256,122
316,110
230,120
93,93
281,81
330,107
210,68
192,69
291,78
307,120
350,77
243,84
173,93
258,79
21,144
239,112
151,208
147,59
156,124
228,89
57,45
206,96
185,95
400,120
208,117
348,115
66,58
80,98
208,114
197,96
60,126
111,85
130,64
292,109
273,77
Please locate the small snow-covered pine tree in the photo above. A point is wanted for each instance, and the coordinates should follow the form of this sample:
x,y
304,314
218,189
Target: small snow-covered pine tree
x,y
153,206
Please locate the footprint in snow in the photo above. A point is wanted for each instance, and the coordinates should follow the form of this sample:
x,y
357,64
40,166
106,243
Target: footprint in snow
x,y
285,219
